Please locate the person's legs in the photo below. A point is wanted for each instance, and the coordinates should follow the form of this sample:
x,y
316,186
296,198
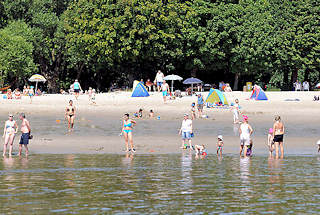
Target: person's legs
x,y
11,139
20,149
190,143
69,122
125,135
27,150
281,149
241,148
5,145
277,149
72,121
130,138
245,151
220,151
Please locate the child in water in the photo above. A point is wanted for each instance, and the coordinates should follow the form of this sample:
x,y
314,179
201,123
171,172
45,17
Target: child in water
x,y
270,142
139,113
200,150
318,145
193,111
219,145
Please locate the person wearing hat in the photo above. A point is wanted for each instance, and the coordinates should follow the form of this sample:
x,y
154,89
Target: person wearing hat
x,y
245,131
186,131
219,145
9,132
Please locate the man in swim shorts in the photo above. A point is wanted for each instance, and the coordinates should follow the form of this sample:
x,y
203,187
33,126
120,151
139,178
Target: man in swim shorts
x,y
25,136
278,132
200,105
159,79
165,91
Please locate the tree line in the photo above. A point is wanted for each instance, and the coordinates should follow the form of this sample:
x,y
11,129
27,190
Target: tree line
x,y
101,42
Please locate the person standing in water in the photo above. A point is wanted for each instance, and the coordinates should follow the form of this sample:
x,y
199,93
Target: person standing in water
x,y
127,132
30,93
26,133
245,131
70,114
278,132
76,88
186,131
165,90
236,111
9,132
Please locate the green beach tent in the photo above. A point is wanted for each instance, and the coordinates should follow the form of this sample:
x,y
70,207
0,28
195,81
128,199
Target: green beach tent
x,y
216,96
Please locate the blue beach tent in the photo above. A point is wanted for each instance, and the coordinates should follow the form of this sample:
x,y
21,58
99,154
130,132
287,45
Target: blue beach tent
x,y
139,90
258,94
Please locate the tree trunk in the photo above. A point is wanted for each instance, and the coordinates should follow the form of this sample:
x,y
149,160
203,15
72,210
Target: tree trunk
x,y
236,81
306,75
285,80
294,76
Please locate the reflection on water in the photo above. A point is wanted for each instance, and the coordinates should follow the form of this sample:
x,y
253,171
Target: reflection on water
x,y
165,184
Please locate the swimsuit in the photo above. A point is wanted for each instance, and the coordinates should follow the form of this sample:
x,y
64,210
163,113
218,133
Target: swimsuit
x,y
10,127
278,138
127,125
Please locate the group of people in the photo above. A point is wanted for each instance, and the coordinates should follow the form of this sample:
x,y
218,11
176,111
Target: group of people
x,y
27,91
301,87
11,129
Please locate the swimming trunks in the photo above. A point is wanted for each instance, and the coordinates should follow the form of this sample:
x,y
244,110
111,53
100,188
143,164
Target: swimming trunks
x,y
278,138
76,90
186,135
164,93
24,140
127,131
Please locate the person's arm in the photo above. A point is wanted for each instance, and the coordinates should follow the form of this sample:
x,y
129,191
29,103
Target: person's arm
x,y
274,130
133,122
283,128
4,130
191,128
15,124
251,130
28,126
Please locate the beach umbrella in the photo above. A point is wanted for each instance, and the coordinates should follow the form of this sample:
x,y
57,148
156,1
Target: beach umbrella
x,y
172,78
192,81
37,78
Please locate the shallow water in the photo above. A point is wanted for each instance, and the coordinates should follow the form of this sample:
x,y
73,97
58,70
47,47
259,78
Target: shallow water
x,y
153,184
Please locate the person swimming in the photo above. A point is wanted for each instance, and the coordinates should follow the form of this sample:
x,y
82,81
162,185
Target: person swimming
x,y
70,114
127,132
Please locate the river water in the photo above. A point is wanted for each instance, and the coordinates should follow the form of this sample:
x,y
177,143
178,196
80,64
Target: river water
x,y
159,184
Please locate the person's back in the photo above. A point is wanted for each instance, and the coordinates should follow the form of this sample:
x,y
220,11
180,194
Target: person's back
x,y
245,131
278,126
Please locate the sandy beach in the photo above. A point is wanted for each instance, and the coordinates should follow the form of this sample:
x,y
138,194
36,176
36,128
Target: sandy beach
x,y
97,127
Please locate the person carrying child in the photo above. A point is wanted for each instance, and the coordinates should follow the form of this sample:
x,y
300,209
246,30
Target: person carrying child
x,y
219,145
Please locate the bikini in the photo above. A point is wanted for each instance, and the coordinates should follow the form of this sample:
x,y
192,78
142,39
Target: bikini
x,y
127,125
9,124
70,115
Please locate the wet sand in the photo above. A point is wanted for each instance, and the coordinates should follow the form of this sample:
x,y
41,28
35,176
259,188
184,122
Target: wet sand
x,y
98,126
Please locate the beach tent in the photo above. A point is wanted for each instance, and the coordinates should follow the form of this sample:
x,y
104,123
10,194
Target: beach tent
x,y
258,94
216,96
139,90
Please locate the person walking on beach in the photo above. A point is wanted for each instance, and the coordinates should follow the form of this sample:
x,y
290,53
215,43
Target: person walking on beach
x,y
245,131
278,132
165,91
200,105
305,86
70,114
186,131
9,132
30,93
127,132
159,79
236,112
26,134
76,88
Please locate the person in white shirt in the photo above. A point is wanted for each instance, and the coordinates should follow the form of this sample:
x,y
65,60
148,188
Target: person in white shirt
x,y
245,131
236,111
305,86
159,79
186,131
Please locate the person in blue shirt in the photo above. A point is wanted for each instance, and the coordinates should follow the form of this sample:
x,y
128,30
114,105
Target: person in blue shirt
x,y
200,105
76,88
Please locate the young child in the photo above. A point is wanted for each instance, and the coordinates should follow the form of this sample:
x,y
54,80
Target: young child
x,y
236,112
193,111
151,114
318,143
201,150
219,145
270,141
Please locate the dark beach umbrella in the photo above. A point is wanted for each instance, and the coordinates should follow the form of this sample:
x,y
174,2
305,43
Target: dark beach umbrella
x,y
192,81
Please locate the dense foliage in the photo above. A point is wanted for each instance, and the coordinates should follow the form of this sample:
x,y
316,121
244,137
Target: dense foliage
x,y
101,42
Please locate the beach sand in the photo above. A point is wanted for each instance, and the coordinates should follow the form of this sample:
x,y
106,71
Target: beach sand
x,y
97,127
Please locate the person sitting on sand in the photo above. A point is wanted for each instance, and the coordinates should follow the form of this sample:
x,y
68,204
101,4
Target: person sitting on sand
x,y
139,113
193,111
127,132
270,142
220,145
151,114
149,85
278,132
70,115
9,132
38,93
186,131
9,94
17,94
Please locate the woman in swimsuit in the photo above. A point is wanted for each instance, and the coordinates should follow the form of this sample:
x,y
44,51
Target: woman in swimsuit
x,y
70,114
10,129
278,132
127,131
